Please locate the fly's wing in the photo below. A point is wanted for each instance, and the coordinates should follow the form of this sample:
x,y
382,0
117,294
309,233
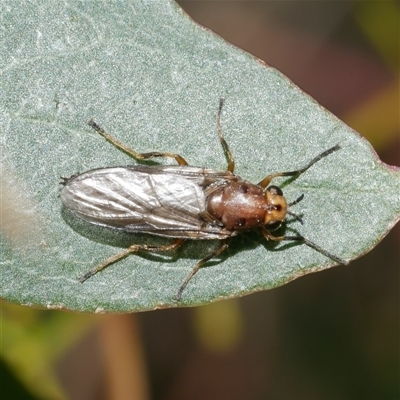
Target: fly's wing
x,y
162,200
200,176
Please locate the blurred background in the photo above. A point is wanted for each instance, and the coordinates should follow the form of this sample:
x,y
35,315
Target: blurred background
x,y
327,336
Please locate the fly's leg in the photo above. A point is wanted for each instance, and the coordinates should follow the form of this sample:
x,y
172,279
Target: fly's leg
x,y
227,151
132,249
305,241
266,181
139,156
215,253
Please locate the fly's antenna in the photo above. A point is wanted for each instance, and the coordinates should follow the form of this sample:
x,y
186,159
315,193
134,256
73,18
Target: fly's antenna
x,y
298,200
295,216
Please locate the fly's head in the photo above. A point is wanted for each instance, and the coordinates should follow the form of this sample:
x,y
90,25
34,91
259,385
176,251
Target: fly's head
x,y
277,208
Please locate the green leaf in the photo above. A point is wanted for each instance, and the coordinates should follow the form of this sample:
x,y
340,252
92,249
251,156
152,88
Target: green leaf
x,y
151,77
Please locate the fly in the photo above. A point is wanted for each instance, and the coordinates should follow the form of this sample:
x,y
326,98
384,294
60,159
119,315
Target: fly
x,y
181,202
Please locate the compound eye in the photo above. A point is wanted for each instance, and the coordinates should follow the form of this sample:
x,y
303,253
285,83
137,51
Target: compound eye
x,y
275,190
273,225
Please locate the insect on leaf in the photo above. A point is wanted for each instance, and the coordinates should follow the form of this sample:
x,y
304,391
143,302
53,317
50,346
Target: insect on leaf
x,y
154,81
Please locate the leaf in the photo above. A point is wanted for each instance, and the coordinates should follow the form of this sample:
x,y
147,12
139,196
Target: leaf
x,y
153,78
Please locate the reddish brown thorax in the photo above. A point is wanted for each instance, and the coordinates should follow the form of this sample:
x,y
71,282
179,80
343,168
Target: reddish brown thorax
x,y
243,205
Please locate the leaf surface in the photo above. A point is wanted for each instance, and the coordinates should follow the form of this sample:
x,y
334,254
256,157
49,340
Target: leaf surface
x,y
152,78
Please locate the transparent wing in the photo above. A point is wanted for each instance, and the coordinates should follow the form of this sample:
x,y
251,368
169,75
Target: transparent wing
x,y
162,200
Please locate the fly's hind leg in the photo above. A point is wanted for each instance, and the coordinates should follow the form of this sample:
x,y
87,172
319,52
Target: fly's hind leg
x,y
139,156
215,253
132,249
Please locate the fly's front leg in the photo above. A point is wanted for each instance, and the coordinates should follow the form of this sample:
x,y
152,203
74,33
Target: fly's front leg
x,y
305,241
266,181
132,249
215,253
140,156
227,151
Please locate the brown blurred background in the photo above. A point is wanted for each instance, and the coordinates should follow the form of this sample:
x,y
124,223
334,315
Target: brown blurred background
x,y
326,336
